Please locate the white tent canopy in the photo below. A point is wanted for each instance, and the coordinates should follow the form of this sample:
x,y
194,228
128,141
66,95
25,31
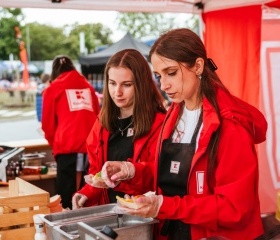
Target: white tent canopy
x,y
182,6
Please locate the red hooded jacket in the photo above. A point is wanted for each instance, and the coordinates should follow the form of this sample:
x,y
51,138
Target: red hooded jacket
x,y
70,108
143,160
233,209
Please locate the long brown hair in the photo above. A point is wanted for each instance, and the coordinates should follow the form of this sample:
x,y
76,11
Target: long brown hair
x,y
147,98
184,46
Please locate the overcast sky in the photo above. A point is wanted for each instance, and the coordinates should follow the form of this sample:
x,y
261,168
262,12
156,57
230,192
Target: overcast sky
x,y
61,17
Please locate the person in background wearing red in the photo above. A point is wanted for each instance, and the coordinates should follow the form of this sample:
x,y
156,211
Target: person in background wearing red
x,y
70,108
127,129
207,165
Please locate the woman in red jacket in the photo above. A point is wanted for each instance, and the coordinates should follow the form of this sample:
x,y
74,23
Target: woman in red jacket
x,y
207,168
127,129
70,108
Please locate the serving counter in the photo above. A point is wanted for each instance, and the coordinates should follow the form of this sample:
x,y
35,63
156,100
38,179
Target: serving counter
x,y
43,181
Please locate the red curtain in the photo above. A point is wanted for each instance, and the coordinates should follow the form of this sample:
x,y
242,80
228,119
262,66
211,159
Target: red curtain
x,y
232,39
274,4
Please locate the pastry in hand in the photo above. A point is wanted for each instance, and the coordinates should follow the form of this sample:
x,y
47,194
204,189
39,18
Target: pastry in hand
x,y
130,202
95,180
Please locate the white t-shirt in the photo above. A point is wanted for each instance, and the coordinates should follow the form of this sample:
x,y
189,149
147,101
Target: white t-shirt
x,y
186,126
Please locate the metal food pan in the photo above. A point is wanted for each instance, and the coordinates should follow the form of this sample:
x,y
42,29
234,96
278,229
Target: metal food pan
x,y
73,216
127,227
90,233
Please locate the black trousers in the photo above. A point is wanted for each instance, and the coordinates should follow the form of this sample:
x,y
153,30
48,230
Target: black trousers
x,y
66,178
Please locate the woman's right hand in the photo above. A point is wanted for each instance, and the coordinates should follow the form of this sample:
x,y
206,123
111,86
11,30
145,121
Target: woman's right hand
x,y
115,171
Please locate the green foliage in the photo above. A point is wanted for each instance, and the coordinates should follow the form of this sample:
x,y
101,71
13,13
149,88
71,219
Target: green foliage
x,y
95,35
142,25
9,18
44,42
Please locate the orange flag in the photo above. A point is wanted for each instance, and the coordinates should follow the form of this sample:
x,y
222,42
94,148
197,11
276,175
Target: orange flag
x,y
23,56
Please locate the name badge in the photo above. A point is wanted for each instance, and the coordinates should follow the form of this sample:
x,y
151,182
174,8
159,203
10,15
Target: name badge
x,y
175,166
129,132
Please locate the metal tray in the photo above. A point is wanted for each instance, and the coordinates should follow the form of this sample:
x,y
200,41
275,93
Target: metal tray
x,y
74,216
127,227
90,233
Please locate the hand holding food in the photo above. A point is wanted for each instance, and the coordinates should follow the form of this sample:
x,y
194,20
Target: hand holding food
x,y
95,180
145,206
115,171
130,202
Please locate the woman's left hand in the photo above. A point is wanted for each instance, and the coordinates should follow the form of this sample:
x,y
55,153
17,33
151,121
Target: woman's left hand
x,y
151,205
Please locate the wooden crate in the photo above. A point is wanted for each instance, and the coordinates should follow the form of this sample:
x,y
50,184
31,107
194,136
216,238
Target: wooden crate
x,y
23,200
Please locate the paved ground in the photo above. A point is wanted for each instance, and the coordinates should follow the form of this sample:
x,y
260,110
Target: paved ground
x,y
13,131
15,107
8,113
16,114
18,119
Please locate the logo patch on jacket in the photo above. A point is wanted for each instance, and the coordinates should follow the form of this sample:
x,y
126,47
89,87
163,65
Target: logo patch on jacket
x,y
79,99
175,166
199,181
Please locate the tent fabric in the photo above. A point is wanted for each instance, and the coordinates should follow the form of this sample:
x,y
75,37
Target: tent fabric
x,y
181,6
234,45
274,4
269,152
101,57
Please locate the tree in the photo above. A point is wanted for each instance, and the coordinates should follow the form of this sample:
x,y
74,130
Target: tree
x,y
142,25
45,41
9,18
95,35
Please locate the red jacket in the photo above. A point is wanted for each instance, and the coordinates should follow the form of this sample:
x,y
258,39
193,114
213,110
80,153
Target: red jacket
x,y
70,108
233,210
143,160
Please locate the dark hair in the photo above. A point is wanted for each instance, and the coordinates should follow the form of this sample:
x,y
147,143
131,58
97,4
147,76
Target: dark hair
x,y
45,77
184,46
147,98
61,64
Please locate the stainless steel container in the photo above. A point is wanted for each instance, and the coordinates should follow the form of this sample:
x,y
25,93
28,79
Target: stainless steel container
x,y
127,227
33,159
10,158
74,216
92,233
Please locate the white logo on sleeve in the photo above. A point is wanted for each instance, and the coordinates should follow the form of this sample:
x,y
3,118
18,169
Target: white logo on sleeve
x,y
199,181
79,99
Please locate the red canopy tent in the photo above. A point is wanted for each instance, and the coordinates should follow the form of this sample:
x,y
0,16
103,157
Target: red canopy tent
x,y
234,39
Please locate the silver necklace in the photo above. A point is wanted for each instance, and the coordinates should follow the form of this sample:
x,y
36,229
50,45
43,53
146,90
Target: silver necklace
x,y
122,130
